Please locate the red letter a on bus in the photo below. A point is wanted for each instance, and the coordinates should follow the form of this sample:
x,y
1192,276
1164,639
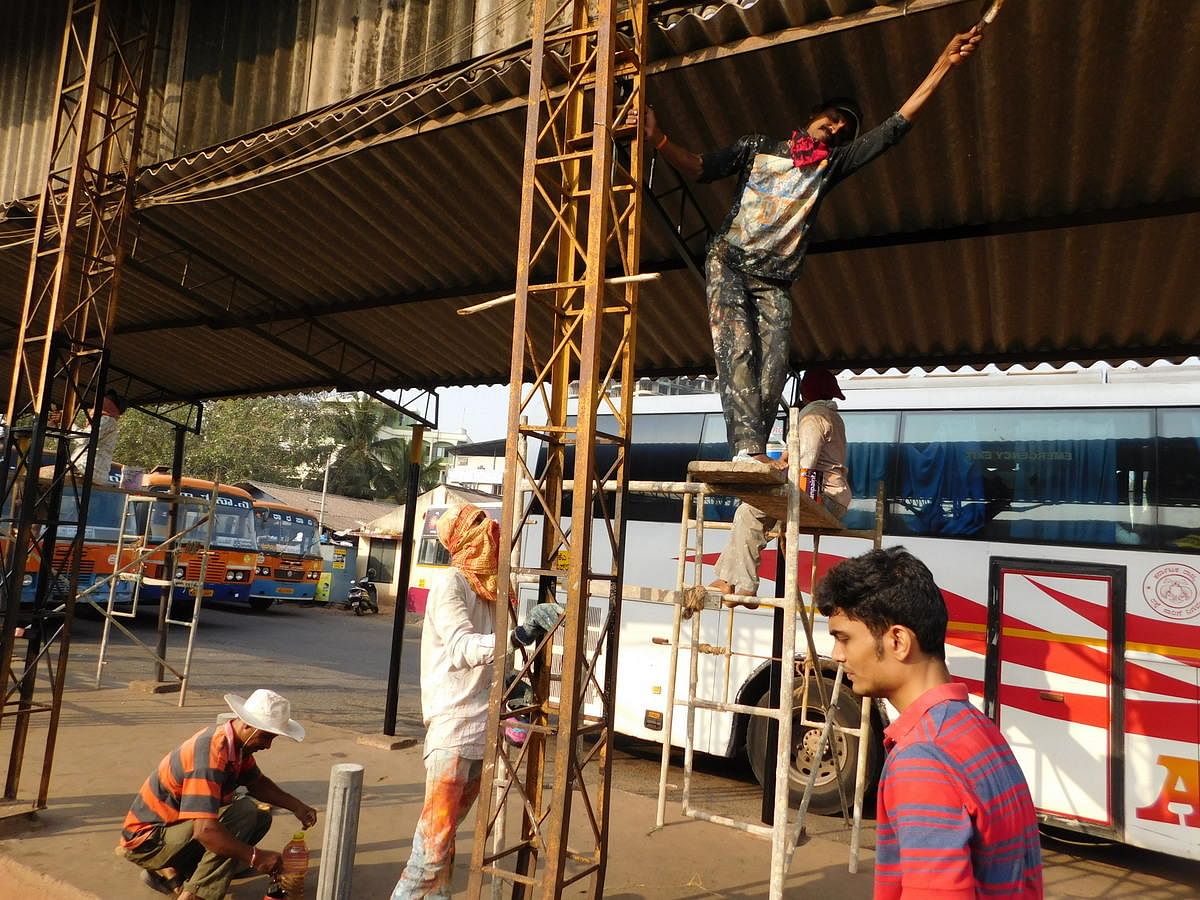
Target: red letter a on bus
x,y
1181,786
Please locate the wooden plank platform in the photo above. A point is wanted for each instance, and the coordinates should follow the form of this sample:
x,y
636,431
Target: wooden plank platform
x,y
747,472
763,488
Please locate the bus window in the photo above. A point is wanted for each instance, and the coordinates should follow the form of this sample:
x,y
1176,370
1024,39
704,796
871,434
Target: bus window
x,y
870,458
714,446
663,445
1054,476
432,553
279,531
1178,491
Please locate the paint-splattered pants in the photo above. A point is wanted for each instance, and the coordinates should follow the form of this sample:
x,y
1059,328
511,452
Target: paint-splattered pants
x,y
738,562
751,327
451,786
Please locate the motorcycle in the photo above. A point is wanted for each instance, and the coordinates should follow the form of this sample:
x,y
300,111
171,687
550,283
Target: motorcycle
x,y
363,596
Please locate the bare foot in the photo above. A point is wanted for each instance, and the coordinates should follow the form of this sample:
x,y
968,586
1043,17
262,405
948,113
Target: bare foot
x,y
725,589
769,461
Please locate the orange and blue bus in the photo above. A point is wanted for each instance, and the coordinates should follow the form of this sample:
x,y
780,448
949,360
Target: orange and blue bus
x,y
233,550
102,530
289,554
99,553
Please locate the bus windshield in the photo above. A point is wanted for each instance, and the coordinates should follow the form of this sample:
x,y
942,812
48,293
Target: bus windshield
x,y
233,528
104,514
285,531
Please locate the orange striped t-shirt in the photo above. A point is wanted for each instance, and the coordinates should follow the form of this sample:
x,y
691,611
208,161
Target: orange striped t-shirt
x,y
193,781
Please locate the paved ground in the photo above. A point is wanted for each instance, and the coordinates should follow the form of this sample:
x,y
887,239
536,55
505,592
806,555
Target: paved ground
x,y
333,666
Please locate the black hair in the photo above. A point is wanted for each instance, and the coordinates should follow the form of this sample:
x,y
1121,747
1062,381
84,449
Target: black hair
x,y
849,109
116,398
889,587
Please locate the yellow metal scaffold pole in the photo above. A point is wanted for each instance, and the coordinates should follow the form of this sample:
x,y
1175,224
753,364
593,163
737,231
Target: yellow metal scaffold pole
x,y
581,197
61,355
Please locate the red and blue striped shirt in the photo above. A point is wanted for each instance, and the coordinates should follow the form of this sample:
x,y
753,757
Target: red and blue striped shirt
x,y
193,781
955,818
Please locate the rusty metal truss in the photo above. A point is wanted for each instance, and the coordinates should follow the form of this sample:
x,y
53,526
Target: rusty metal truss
x,y
61,358
580,214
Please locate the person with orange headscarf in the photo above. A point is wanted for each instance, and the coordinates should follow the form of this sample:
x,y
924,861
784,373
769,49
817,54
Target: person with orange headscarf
x,y
458,645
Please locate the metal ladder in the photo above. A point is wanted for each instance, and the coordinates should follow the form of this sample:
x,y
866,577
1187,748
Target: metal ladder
x,y
138,544
783,497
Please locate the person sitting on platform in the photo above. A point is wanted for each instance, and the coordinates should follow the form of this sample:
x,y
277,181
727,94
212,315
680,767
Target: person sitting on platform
x,y
184,827
822,450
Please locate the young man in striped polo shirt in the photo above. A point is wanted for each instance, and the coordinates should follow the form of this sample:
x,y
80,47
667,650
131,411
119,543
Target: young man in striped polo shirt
x,y
184,827
954,818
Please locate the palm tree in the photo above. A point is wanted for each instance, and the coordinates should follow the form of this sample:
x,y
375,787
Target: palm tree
x,y
430,474
365,464
371,465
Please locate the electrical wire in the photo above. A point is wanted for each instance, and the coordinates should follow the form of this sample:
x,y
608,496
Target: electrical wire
x,y
296,165
250,148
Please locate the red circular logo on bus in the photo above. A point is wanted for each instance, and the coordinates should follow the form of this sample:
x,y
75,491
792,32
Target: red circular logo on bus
x,y
1173,591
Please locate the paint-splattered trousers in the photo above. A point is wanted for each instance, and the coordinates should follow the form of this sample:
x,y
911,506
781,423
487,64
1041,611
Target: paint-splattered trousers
x,y
738,562
751,327
451,786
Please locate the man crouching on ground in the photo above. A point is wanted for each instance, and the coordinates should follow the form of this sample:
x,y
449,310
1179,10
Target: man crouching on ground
x,y
184,827
953,811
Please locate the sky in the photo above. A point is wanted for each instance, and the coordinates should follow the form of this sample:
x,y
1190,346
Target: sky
x,y
482,412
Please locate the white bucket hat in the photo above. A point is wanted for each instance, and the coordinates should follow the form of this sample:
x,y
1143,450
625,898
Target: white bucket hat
x,y
267,711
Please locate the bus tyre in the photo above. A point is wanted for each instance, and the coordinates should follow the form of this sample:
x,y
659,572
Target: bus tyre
x,y
261,604
831,771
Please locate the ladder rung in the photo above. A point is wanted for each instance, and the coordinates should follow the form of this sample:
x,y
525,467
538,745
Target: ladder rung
x,y
718,706
755,828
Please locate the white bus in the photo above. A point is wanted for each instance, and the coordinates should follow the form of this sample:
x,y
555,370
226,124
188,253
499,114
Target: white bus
x,y
1059,513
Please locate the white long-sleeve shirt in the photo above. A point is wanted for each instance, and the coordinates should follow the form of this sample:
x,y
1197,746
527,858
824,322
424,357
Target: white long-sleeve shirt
x,y
106,445
458,644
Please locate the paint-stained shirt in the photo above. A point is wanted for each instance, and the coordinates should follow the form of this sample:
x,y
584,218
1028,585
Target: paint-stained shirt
x,y
954,814
766,231
458,644
193,781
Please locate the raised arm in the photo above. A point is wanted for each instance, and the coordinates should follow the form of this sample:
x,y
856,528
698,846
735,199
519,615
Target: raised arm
x,y
960,47
685,162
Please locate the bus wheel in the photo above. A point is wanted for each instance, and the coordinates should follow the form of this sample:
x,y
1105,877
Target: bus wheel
x,y
836,765
261,604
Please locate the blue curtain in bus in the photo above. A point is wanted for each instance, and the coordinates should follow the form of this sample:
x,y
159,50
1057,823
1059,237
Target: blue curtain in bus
x,y
941,487
1066,471
1071,474
868,464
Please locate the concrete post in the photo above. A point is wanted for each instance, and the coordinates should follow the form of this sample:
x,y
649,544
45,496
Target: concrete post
x,y
341,832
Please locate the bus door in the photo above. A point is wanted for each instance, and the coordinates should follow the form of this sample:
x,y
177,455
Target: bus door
x,y
1053,685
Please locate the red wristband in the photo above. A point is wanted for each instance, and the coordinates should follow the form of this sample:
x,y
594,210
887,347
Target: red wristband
x,y
661,143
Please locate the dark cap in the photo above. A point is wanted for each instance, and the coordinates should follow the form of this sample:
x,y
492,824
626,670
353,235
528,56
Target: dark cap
x,y
848,108
820,384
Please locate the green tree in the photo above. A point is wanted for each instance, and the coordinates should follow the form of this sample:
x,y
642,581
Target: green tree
x,y
366,463
372,460
274,439
430,475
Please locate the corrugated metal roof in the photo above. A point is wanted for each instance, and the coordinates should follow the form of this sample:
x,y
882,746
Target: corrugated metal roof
x,y
227,67
1046,206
